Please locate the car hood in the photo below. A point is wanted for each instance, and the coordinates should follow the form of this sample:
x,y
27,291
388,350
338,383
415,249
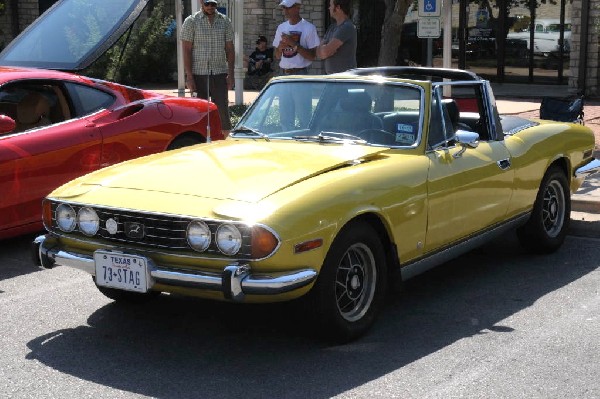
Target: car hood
x,y
227,170
72,34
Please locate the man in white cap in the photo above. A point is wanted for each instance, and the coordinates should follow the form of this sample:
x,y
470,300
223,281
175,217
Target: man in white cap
x,y
295,44
209,57
295,40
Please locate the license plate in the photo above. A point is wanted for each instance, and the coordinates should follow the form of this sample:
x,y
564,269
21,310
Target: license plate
x,y
121,271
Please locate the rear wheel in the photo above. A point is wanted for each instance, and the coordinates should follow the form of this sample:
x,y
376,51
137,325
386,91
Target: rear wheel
x,y
184,141
546,229
350,290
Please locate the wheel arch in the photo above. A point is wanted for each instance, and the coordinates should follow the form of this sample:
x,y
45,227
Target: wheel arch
x,y
563,164
187,135
391,251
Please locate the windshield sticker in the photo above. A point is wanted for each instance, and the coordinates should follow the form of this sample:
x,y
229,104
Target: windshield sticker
x,y
405,138
404,128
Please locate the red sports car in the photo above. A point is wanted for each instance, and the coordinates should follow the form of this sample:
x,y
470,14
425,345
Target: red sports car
x,y
55,126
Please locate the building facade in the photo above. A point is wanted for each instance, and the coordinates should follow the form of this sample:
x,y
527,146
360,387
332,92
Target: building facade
x,y
562,48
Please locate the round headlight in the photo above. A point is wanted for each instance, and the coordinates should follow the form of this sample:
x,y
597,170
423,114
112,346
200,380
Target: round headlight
x,y
229,239
198,235
66,218
89,222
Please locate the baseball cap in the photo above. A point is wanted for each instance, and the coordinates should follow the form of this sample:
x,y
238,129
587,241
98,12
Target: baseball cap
x,y
289,3
209,1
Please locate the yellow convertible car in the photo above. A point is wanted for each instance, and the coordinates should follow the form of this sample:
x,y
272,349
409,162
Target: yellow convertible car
x,y
330,189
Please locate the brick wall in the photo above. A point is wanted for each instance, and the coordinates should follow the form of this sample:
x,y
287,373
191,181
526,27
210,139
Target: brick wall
x,y
28,12
261,17
5,27
592,64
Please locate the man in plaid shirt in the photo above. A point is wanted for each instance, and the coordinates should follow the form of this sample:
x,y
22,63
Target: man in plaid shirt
x,y
209,56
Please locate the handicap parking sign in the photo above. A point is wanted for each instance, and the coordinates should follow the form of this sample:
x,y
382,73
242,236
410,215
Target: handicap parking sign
x,y
429,8
430,5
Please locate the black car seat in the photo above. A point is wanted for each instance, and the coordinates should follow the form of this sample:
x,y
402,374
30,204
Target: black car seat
x,y
454,115
32,111
356,108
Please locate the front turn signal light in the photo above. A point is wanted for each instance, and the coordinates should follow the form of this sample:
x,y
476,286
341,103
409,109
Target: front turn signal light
x,y
47,214
264,242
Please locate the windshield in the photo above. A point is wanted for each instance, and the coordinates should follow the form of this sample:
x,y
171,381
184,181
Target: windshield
x,y
345,111
72,34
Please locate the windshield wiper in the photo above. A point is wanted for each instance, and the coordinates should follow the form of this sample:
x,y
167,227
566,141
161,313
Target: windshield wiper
x,y
335,137
250,132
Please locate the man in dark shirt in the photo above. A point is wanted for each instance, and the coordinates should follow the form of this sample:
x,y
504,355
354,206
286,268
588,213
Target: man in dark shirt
x,y
259,62
338,48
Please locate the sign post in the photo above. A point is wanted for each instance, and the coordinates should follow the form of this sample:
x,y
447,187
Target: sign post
x,y
428,24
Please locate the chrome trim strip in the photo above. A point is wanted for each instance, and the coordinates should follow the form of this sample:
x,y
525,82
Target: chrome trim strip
x,y
239,278
588,169
423,265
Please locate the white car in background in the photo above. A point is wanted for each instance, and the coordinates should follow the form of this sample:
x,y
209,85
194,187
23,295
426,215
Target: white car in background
x,y
546,38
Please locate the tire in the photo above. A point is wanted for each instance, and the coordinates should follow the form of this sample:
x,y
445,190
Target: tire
x,y
546,229
123,296
350,290
183,141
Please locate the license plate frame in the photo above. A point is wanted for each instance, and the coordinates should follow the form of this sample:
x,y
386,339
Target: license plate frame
x,y
122,271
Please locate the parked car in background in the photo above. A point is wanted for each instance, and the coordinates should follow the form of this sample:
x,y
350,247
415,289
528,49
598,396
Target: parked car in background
x,y
546,39
55,125
330,189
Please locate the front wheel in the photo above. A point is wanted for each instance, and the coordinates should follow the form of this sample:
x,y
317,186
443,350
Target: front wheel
x,y
546,229
350,290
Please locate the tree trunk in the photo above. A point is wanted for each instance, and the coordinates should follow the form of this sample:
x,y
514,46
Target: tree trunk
x,y
391,31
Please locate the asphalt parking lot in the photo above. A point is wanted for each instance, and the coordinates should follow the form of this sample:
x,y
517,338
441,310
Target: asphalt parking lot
x,y
496,322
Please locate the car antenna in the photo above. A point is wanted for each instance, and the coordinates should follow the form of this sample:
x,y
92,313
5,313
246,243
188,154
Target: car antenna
x,y
208,96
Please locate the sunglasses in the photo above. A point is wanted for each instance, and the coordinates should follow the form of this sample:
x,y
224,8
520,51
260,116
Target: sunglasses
x,y
210,5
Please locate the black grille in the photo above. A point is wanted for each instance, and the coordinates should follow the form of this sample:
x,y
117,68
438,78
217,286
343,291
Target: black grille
x,y
160,231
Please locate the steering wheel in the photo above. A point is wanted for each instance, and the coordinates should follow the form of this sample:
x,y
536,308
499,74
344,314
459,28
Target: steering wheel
x,y
378,136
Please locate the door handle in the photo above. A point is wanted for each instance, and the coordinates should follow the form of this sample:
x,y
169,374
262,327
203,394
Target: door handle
x,y
504,164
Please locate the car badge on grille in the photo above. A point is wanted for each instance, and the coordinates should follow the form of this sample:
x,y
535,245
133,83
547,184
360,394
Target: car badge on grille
x,y
112,226
134,230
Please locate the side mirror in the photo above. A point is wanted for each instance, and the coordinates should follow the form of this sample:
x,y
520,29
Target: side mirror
x,y
7,124
465,139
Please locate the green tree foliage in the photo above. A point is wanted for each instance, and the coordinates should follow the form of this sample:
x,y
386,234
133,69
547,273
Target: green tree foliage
x,y
149,55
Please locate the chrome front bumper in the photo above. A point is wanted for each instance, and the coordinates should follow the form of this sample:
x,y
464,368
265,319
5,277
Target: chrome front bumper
x,y
235,281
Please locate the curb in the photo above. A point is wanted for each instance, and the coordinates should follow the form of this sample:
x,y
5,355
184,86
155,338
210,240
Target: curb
x,y
584,225
585,205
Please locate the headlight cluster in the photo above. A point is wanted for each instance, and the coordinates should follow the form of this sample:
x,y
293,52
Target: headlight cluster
x,y
87,219
229,239
162,231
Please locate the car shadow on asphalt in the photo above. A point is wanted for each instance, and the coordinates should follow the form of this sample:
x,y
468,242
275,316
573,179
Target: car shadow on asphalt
x,y
189,348
16,258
